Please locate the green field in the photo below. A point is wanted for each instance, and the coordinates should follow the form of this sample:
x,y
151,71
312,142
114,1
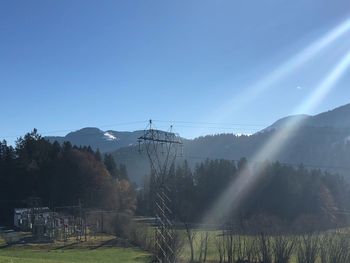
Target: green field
x,y
107,248
332,245
97,249
212,253
106,255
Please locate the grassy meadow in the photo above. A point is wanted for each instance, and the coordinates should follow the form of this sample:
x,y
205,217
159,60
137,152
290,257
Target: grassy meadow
x,y
106,255
100,249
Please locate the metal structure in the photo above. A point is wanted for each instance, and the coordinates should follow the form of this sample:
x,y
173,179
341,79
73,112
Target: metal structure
x,y
162,148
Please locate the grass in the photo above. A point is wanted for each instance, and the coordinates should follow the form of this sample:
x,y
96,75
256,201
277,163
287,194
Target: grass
x,y
102,248
85,252
2,241
212,253
106,255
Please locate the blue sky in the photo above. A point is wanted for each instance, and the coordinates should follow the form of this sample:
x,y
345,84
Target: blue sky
x,y
71,64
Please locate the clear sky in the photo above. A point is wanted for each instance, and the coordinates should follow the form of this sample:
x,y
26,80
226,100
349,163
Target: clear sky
x,y
69,64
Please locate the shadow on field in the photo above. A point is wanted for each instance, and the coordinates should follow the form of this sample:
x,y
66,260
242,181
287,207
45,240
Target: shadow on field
x,y
68,246
116,242
5,246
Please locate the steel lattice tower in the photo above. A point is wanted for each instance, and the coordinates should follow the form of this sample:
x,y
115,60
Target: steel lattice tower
x,y
162,148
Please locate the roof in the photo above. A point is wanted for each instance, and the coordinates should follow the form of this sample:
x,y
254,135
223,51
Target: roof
x,y
27,210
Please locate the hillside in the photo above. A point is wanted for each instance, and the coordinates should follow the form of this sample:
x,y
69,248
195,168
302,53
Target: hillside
x,y
105,141
337,118
322,141
313,146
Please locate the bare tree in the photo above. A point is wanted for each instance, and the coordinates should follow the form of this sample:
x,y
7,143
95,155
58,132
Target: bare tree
x,y
221,247
190,234
177,244
240,252
308,248
229,242
265,248
335,248
251,249
203,247
283,247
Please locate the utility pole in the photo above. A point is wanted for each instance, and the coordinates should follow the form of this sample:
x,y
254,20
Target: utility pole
x,y
80,222
162,148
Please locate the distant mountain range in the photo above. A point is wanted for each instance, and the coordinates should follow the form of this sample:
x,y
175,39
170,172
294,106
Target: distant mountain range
x,y
322,141
105,141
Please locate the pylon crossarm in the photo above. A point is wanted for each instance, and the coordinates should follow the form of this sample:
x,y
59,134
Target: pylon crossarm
x,y
159,140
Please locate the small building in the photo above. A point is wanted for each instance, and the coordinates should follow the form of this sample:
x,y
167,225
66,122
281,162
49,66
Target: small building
x,y
47,225
25,218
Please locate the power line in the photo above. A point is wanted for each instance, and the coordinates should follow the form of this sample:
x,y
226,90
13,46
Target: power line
x,y
76,129
215,123
192,126
237,125
211,127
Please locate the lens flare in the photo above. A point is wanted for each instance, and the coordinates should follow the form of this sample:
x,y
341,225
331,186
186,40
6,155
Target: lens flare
x,y
326,85
282,71
232,197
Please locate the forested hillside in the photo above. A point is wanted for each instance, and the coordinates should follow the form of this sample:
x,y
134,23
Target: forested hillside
x,y
64,175
288,196
326,148
322,141
60,175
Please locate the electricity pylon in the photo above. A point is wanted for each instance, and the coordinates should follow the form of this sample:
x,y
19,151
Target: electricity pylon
x,y
162,148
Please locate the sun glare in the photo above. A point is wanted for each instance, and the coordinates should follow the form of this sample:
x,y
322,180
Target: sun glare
x,y
252,92
232,197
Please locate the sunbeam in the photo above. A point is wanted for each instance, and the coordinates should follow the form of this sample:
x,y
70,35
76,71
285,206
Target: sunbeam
x,y
232,197
283,70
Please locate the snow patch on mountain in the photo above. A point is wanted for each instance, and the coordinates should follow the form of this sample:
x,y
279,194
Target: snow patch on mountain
x,y
110,137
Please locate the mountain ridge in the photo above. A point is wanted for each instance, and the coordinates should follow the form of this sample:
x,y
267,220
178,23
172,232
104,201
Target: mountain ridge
x,y
104,141
111,140
338,117
321,140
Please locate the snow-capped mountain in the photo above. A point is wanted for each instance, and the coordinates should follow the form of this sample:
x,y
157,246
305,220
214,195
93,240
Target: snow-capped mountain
x,y
105,141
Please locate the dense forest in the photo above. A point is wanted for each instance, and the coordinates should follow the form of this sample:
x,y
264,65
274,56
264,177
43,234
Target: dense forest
x,y
316,147
60,175
288,195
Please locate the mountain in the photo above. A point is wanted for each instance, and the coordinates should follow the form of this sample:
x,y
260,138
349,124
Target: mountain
x,y
323,140
105,141
284,121
336,118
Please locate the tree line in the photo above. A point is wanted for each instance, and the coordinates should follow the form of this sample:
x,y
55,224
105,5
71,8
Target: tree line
x,y
62,174
59,175
288,196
